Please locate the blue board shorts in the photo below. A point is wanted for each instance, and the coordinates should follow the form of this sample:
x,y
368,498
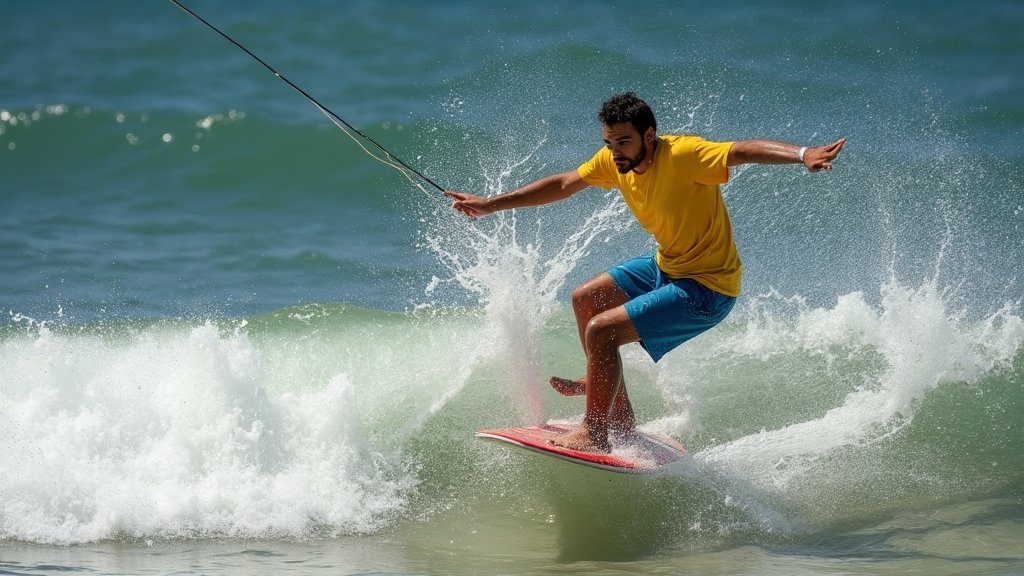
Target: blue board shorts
x,y
667,312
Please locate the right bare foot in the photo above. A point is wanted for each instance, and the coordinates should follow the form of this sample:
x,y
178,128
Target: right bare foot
x,y
567,387
584,439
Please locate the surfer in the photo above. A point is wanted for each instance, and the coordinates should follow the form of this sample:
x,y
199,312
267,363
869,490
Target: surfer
x,y
687,286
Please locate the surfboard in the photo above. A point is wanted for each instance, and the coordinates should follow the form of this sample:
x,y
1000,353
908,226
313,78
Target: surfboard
x,y
639,453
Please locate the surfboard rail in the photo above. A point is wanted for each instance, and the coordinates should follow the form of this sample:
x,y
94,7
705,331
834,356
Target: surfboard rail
x,y
639,453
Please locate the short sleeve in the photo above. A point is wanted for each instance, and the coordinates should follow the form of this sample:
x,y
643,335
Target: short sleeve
x,y
596,170
707,161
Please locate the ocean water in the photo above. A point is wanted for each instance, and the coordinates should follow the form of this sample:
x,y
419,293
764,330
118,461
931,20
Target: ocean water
x,y
233,343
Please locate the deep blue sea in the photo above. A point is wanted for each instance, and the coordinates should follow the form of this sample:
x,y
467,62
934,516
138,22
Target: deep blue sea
x,y
232,342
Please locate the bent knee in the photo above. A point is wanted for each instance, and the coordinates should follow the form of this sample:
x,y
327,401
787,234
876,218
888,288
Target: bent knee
x,y
581,296
597,295
609,330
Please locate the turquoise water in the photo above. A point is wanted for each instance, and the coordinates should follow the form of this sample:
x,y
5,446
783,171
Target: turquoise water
x,y
233,343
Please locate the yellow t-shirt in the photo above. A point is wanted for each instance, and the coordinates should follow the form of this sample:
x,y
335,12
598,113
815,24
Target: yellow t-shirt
x,y
678,201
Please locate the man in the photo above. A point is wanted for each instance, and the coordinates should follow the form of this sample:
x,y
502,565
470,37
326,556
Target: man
x,y
671,184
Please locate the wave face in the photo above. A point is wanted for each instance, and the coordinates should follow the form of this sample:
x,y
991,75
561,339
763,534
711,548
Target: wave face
x,y
334,420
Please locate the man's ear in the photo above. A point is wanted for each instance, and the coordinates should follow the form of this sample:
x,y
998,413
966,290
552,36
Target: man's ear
x,y
649,135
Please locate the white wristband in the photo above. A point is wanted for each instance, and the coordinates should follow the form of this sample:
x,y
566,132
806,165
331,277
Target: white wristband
x,y
801,153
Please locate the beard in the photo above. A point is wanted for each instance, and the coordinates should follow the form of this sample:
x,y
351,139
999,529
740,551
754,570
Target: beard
x,y
632,162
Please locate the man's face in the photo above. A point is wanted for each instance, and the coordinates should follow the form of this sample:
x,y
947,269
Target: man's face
x,y
628,147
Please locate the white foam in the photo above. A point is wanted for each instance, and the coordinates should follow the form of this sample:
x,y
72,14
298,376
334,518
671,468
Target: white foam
x,y
179,431
923,345
517,283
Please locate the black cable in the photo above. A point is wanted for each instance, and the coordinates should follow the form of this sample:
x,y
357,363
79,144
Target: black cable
x,y
315,102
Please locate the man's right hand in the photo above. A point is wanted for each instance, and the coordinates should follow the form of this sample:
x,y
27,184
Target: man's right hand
x,y
469,204
543,191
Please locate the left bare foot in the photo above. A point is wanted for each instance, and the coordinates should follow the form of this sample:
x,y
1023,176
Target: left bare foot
x,y
567,387
583,440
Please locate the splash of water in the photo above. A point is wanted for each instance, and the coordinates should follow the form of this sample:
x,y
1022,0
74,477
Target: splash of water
x,y
921,345
517,282
174,431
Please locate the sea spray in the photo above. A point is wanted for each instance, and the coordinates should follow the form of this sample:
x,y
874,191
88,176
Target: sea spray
x,y
517,283
830,394
180,429
922,345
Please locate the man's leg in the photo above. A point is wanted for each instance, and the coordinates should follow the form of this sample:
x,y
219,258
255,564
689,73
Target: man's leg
x,y
603,335
589,299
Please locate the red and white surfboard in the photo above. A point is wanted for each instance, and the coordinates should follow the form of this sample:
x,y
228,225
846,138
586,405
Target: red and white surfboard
x,y
639,453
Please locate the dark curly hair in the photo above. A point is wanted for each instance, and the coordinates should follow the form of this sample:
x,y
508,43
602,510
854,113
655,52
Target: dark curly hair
x,y
630,108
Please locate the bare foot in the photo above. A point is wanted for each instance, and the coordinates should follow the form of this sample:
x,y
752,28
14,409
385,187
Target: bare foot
x,y
583,440
567,387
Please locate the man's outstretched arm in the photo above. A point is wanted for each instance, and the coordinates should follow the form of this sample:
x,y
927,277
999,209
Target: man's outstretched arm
x,y
772,152
544,191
